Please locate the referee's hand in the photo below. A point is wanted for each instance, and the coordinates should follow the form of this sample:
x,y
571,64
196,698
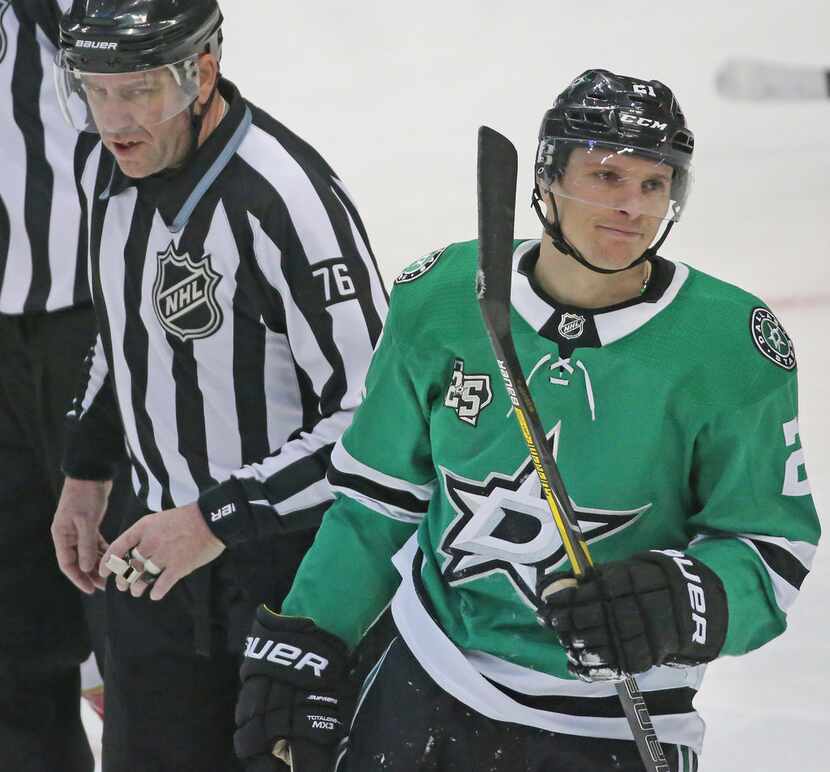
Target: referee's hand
x,y
160,549
75,531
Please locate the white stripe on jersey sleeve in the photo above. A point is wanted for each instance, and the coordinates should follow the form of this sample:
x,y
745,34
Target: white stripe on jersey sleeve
x,y
264,153
804,552
314,495
346,463
98,371
785,593
381,507
283,402
326,432
351,336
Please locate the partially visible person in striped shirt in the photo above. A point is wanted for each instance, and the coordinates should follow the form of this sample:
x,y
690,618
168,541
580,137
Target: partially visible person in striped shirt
x,y
239,305
47,324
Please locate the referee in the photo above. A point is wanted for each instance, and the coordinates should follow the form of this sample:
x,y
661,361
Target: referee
x,y
239,305
46,326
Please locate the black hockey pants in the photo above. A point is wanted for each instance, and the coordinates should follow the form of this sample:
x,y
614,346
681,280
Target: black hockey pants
x,y
407,723
44,634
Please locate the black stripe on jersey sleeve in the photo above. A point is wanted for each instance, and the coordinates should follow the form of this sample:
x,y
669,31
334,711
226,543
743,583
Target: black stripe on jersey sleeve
x,y
660,702
377,492
27,81
782,562
136,342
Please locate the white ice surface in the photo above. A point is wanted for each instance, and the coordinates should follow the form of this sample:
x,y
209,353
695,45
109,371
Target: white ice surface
x,y
392,94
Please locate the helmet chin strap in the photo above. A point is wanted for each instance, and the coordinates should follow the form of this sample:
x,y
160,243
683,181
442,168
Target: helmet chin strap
x,y
198,119
554,230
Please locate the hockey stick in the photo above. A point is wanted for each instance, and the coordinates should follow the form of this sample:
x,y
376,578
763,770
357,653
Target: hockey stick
x,y
497,169
758,80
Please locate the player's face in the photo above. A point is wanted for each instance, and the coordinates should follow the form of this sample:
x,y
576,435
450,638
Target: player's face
x,y
611,206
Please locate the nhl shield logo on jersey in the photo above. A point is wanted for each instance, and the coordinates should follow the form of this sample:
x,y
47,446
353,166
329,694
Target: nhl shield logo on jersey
x,y
184,295
771,339
417,269
571,326
468,394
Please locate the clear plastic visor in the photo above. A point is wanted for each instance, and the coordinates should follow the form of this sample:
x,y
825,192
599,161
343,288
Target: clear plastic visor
x,y
126,101
625,179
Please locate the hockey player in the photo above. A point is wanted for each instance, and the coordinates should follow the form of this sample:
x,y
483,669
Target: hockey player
x,y
239,305
669,399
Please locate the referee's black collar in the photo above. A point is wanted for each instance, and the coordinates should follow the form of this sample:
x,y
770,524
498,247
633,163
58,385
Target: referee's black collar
x,y
176,194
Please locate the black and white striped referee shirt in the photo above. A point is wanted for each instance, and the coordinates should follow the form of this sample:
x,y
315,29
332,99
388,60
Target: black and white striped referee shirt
x,y
41,266
238,304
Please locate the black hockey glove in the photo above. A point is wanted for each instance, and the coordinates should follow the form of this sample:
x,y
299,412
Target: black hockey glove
x,y
293,686
656,608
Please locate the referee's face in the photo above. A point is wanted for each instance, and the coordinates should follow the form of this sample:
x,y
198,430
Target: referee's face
x,y
141,152
141,144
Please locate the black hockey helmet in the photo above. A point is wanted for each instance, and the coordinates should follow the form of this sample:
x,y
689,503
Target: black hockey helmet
x,y
101,41
116,36
603,111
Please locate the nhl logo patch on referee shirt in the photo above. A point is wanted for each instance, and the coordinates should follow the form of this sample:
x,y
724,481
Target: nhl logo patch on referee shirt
x,y
184,295
771,339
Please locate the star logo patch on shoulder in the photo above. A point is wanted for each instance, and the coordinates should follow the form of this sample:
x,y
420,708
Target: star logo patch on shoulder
x,y
771,339
417,269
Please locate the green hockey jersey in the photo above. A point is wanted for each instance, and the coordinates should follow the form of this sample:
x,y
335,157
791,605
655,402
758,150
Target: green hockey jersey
x,y
673,419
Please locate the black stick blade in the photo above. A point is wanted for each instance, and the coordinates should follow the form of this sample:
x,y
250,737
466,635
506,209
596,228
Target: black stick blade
x,y
497,171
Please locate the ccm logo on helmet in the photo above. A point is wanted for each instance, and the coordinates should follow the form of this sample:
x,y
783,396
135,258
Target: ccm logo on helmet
x,y
285,654
696,597
101,44
647,122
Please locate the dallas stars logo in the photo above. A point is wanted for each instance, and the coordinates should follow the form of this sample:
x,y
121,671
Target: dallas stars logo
x,y
504,526
771,339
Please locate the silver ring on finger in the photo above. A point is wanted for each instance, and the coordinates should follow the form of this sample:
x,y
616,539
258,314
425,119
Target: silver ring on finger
x,y
151,568
134,554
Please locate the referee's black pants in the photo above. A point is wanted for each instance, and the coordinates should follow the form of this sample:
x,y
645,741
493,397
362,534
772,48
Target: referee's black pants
x,y
44,634
172,666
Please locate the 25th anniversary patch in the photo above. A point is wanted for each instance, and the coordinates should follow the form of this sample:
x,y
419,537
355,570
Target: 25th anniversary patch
x,y
771,339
